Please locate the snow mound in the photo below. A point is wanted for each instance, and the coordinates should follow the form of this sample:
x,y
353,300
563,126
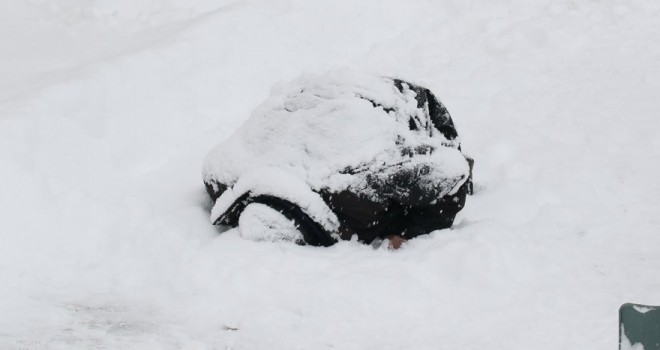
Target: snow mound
x,y
260,222
269,181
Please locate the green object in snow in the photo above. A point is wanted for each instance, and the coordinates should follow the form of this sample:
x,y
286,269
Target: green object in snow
x,y
639,324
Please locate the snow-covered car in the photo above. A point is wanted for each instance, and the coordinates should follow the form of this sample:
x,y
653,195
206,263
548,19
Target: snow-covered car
x,y
330,156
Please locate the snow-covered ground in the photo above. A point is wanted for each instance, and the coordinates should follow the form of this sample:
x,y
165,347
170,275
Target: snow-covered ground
x,y
107,110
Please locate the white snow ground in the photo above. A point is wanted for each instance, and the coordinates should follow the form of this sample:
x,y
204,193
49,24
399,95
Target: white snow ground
x,y
108,108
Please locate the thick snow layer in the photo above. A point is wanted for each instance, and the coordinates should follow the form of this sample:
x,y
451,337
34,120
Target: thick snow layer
x,y
260,222
107,110
278,181
317,126
312,130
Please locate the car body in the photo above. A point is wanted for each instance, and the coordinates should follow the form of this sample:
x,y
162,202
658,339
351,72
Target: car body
x,y
342,154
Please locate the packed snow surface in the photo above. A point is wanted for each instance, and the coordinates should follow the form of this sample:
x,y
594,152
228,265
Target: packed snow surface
x,y
107,110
